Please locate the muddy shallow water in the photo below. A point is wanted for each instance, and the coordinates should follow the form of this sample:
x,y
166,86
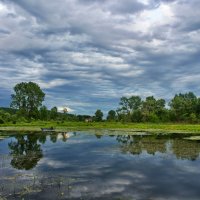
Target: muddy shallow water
x,y
79,165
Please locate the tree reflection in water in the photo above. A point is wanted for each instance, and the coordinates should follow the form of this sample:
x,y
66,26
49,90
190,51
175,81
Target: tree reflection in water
x,y
25,151
181,148
54,137
184,149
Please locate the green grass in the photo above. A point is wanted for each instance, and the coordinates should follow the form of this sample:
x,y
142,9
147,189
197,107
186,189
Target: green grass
x,y
76,126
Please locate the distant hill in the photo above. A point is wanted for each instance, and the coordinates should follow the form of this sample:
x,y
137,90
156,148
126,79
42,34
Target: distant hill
x,y
9,110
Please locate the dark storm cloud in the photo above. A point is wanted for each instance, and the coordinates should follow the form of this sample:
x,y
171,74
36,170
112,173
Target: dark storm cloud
x,y
87,54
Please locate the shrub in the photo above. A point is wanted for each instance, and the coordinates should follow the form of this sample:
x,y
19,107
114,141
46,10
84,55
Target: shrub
x,y
153,118
193,118
1,121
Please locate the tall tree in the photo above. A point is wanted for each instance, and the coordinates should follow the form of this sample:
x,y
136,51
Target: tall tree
x,y
128,105
28,98
98,115
149,105
153,110
184,105
54,113
111,115
44,113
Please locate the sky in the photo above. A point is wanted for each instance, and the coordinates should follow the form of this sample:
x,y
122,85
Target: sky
x,y
86,54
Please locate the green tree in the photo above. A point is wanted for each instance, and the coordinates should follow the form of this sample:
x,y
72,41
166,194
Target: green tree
x,y
28,98
54,113
128,106
111,115
183,105
44,113
14,118
1,120
161,111
193,118
136,116
148,108
98,115
131,104
198,108
7,117
153,110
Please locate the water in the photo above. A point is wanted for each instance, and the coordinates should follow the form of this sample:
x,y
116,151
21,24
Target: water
x,y
88,166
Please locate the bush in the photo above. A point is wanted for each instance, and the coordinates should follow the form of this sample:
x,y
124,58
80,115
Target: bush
x,y
22,119
193,118
1,121
153,118
136,116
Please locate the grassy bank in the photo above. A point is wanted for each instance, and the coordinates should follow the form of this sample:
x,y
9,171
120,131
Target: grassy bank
x,y
76,126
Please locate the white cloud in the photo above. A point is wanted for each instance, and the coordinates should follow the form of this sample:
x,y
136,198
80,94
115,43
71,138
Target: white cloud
x,y
53,83
62,108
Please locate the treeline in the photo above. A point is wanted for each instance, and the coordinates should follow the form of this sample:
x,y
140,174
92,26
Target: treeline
x,y
26,106
182,108
14,116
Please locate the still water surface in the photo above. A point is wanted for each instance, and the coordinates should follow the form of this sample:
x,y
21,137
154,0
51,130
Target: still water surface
x,y
80,165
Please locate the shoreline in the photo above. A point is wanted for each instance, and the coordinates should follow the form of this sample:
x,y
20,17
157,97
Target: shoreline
x,y
163,128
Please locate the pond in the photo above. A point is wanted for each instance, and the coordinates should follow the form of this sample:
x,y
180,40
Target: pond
x,y
82,165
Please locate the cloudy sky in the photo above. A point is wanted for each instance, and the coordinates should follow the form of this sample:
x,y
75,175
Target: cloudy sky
x,y
86,54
